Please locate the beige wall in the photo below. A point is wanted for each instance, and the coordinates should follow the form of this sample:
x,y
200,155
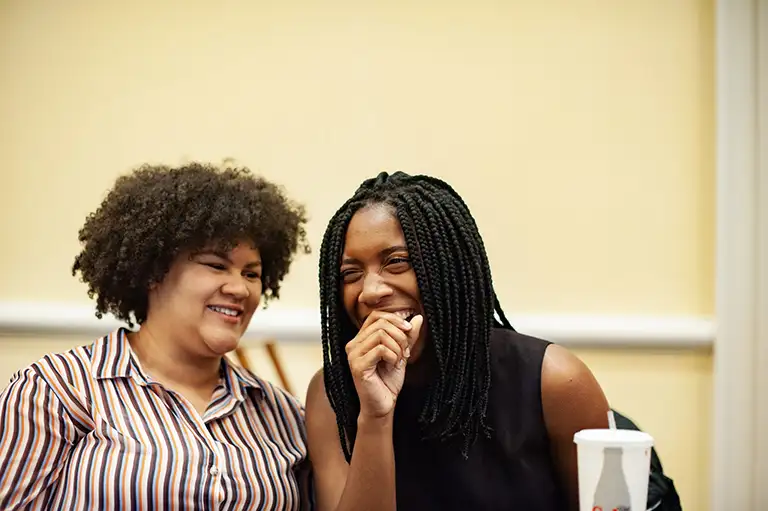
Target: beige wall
x,y
580,132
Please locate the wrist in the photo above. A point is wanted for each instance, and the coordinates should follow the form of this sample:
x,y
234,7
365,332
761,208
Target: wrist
x,y
373,423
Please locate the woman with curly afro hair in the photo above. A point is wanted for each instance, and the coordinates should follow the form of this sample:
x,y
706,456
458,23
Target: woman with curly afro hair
x,y
154,416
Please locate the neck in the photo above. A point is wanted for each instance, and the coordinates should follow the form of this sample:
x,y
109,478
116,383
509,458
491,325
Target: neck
x,y
168,362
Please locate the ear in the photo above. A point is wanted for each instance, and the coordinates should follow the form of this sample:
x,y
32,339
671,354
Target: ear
x,y
153,286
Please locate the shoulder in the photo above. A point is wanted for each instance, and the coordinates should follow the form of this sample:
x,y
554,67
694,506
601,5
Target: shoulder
x,y
505,338
319,410
322,427
318,405
563,373
316,386
275,394
61,369
571,397
556,365
511,350
566,385
284,411
58,383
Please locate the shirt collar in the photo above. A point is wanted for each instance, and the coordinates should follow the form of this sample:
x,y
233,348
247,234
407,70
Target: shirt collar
x,y
112,355
240,380
113,358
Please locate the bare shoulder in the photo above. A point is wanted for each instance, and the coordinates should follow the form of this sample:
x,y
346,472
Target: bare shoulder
x,y
562,370
321,419
570,392
316,389
317,382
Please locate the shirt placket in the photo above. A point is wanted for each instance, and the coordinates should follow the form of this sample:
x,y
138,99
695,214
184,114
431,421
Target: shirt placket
x,y
218,465
213,463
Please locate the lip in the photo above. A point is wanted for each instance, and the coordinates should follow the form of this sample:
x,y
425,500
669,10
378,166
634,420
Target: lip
x,y
233,320
238,308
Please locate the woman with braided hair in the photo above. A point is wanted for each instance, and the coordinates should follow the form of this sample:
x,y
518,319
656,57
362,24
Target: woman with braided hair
x,y
428,398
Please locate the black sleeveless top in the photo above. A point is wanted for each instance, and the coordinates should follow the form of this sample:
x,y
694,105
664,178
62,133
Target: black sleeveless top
x,y
511,470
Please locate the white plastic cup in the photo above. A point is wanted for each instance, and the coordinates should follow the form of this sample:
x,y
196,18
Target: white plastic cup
x,y
614,469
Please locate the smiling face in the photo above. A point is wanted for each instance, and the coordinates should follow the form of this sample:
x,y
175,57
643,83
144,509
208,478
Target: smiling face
x,y
207,299
376,270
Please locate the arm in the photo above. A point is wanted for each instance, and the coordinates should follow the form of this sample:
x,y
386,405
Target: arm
x,y
572,400
377,359
36,436
362,484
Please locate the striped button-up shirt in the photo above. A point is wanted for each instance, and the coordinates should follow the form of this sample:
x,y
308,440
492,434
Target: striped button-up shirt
x,y
89,430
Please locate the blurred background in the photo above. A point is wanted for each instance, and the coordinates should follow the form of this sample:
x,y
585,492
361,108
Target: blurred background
x,y
580,133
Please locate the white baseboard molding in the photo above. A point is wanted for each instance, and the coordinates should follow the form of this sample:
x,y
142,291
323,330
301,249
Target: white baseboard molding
x,y
303,326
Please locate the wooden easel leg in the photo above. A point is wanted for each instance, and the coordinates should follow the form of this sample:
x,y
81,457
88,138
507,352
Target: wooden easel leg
x,y
242,358
275,358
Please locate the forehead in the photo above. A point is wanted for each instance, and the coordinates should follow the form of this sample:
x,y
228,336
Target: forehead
x,y
372,229
236,250
245,251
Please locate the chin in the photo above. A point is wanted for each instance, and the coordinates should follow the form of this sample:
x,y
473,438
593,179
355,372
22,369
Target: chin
x,y
417,349
222,343
415,356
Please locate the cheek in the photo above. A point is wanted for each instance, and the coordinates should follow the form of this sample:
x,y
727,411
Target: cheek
x,y
349,295
193,293
408,284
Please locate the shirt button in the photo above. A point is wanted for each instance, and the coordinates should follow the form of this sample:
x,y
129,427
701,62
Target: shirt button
x,y
214,471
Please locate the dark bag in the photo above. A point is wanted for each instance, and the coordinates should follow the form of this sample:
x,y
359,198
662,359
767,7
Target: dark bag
x,y
662,495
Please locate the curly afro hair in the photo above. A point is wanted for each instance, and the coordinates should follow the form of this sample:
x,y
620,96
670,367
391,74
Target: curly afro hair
x,y
157,212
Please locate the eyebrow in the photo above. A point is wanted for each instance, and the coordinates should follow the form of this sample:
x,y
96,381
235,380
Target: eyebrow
x,y
383,253
225,256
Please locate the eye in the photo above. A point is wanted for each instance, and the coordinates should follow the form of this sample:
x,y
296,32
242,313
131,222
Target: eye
x,y
216,266
252,275
398,264
350,275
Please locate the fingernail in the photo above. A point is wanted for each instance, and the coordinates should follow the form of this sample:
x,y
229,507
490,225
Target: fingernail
x,y
407,325
407,352
401,363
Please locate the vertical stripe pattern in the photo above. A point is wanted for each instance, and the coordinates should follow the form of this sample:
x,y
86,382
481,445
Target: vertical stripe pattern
x,y
87,429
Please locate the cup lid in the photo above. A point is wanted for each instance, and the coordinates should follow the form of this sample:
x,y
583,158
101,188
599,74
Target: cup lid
x,y
613,438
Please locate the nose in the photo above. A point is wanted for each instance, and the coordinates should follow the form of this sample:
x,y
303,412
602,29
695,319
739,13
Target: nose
x,y
237,287
374,289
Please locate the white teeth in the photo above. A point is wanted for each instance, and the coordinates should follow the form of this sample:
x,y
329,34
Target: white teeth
x,y
404,313
224,310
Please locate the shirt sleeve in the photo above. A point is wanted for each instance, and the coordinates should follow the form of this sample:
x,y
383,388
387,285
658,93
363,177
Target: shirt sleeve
x,y
36,437
294,412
